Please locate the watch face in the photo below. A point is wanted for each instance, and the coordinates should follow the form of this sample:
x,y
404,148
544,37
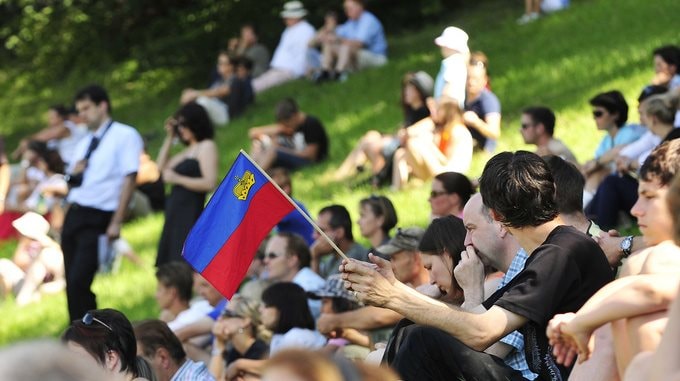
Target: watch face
x,y
627,243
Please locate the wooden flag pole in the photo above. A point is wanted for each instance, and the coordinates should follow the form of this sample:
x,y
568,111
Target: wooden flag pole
x,y
309,219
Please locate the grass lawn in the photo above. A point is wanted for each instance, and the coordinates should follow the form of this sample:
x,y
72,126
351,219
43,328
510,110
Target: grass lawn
x,y
560,61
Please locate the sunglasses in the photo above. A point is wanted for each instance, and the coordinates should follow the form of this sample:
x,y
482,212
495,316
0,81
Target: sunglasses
x,y
231,314
434,194
88,319
526,125
598,113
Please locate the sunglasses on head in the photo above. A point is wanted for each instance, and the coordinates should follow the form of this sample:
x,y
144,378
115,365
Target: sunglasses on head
x,y
88,319
598,113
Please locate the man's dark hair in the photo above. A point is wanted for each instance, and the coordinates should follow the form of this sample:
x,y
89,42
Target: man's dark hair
x,y
61,110
291,302
542,115
662,164
454,182
286,109
340,218
519,188
96,94
195,118
297,246
178,275
670,54
650,90
569,183
243,61
155,334
614,102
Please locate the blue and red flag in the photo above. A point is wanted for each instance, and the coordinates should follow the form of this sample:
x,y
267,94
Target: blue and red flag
x,y
243,210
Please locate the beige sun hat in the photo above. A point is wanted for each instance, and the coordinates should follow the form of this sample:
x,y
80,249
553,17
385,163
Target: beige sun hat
x,y
453,38
33,226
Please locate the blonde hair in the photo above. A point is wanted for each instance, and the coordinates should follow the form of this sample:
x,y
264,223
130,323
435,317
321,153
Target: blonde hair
x,y
250,309
662,106
305,364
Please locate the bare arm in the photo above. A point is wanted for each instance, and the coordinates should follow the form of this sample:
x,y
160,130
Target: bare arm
x,y
489,127
378,286
246,366
164,153
4,182
198,328
207,160
269,130
623,298
664,361
365,318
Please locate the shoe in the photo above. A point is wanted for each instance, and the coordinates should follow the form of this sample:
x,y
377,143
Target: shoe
x,y
527,18
342,77
321,76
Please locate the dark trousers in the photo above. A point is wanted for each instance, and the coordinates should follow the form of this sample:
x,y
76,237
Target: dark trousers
x,y
615,194
79,242
427,353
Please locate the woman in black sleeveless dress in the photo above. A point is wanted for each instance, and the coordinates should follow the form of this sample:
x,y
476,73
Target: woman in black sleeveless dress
x,y
192,173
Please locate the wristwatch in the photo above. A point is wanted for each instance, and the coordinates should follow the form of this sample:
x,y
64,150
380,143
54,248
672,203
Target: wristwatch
x,y
626,246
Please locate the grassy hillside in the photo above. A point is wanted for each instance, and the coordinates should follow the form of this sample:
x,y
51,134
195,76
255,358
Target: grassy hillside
x,y
560,61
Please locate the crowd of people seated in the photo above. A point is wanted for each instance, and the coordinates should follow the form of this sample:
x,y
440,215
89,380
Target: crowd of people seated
x,y
514,282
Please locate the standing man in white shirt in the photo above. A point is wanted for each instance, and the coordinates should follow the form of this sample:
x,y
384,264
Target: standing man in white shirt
x,y
101,180
290,57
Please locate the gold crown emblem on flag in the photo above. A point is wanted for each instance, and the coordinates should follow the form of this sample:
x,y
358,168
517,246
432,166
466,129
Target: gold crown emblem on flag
x,y
243,186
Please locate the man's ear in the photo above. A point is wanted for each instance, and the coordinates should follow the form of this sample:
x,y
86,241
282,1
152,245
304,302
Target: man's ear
x,y
495,215
164,357
112,361
502,232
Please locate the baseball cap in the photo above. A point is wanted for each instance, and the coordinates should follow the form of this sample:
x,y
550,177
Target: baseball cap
x,y
405,239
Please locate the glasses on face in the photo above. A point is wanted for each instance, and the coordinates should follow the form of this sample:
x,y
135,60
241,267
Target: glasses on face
x,y
230,314
89,318
526,125
598,113
435,194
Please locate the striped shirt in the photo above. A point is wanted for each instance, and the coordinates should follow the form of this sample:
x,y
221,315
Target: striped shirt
x,y
192,371
516,359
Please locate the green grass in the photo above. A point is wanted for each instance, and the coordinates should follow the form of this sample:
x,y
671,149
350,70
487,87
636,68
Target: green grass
x,y
560,61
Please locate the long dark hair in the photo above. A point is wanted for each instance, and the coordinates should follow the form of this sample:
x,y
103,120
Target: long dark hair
x,y
195,118
445,235
291,302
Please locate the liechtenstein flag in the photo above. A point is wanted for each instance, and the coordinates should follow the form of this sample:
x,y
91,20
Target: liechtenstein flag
x,y
240,214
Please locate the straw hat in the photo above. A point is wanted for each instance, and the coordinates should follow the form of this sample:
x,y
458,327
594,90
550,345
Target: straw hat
x,y
293,10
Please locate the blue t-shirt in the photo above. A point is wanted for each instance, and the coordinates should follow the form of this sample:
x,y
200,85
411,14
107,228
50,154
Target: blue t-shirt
x,y
626,135
486,103
294,222
367,29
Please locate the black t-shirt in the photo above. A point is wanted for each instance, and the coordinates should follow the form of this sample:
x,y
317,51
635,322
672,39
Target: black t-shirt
x,y
411,116
314,133
558,277
257,351
240,96
486,103
674,134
